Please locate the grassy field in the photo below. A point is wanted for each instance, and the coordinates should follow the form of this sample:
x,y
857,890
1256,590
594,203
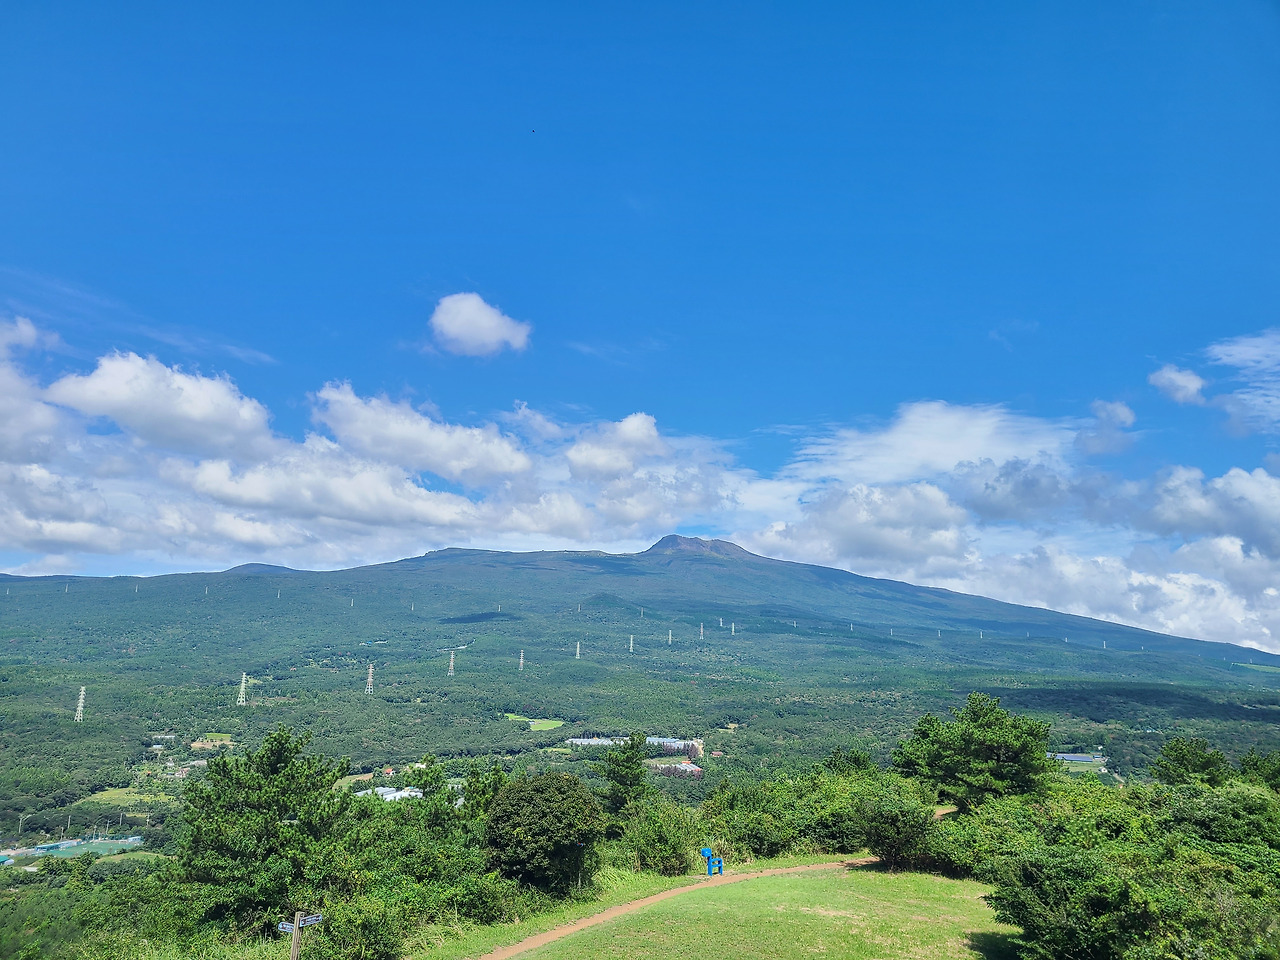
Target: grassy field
x,y
613,887
536,724
1258,666
127,798
860,913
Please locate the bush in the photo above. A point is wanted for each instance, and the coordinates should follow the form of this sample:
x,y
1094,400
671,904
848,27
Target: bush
x,y
1070,903
758,819
543,831
362,928
661,836
898,828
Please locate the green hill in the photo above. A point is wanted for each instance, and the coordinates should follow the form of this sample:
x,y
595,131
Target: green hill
x,y
807,658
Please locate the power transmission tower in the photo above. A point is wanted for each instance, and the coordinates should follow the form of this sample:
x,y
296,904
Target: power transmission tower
x,y
451,663
244,686
368,685
577,652
80,707
521,667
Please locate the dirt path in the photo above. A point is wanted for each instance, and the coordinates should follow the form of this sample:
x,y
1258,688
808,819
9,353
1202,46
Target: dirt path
x,y
549,936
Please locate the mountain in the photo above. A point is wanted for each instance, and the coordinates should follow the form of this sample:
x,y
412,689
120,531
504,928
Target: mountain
x,y
775,662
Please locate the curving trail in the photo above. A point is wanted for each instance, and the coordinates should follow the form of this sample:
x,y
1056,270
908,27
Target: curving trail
x,y
549,936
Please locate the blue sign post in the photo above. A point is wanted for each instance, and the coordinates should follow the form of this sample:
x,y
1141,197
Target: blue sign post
x,y
714,864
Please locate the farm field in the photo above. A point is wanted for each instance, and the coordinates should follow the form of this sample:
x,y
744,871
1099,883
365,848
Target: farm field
x,y
854,913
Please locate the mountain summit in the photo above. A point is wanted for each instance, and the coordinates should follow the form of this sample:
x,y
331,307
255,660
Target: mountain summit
x,y
675,544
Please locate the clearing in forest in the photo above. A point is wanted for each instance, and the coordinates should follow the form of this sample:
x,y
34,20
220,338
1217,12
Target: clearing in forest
x,y
543,724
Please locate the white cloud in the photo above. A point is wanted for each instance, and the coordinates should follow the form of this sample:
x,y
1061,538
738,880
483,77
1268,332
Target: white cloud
x,y
396,433
1106,435
929,438
463,323
876,530
1240,503
1180,386
167,408
29,427
1256,404
612,450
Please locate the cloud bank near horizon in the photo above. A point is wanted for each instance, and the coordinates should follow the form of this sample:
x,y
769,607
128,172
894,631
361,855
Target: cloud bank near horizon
x,y
144,466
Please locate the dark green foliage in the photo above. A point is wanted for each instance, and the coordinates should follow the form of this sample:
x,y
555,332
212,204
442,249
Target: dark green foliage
x,y
626,779
360,928
1070,903
898,828
1236,813
1191,760
756,819
984,752
261,824
661,836
843,762
1262,768
1142,872
542,831
480,788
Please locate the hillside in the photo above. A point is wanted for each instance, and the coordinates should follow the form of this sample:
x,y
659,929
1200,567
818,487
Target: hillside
x,y
807,658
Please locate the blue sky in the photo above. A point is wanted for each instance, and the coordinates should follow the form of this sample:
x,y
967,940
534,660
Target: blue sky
x,y
978,298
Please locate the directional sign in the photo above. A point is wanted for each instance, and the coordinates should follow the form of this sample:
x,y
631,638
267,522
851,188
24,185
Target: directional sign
x,y
308,921
284,926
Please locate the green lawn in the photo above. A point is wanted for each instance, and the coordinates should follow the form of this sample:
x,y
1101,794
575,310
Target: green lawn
x,y
862,913
536,724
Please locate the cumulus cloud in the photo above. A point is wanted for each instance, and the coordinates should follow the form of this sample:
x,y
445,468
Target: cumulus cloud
x,y
613,449
29,427
876,530
464,324
168,408
1180,386
396,433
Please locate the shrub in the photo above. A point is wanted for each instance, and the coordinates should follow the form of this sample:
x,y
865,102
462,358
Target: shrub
x,y
362,928
1070,903
758,819
543,831
661,836
898,828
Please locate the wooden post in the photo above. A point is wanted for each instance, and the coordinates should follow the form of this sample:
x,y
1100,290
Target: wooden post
x,y
295,951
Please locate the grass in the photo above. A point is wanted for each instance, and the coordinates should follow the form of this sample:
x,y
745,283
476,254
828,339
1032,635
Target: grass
x,y
860,913
544,724
126,798
133,855
1077,769
457,942
1258,666
345,782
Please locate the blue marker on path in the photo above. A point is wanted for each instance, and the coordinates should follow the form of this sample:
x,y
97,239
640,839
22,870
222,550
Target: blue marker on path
x,y
714,864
